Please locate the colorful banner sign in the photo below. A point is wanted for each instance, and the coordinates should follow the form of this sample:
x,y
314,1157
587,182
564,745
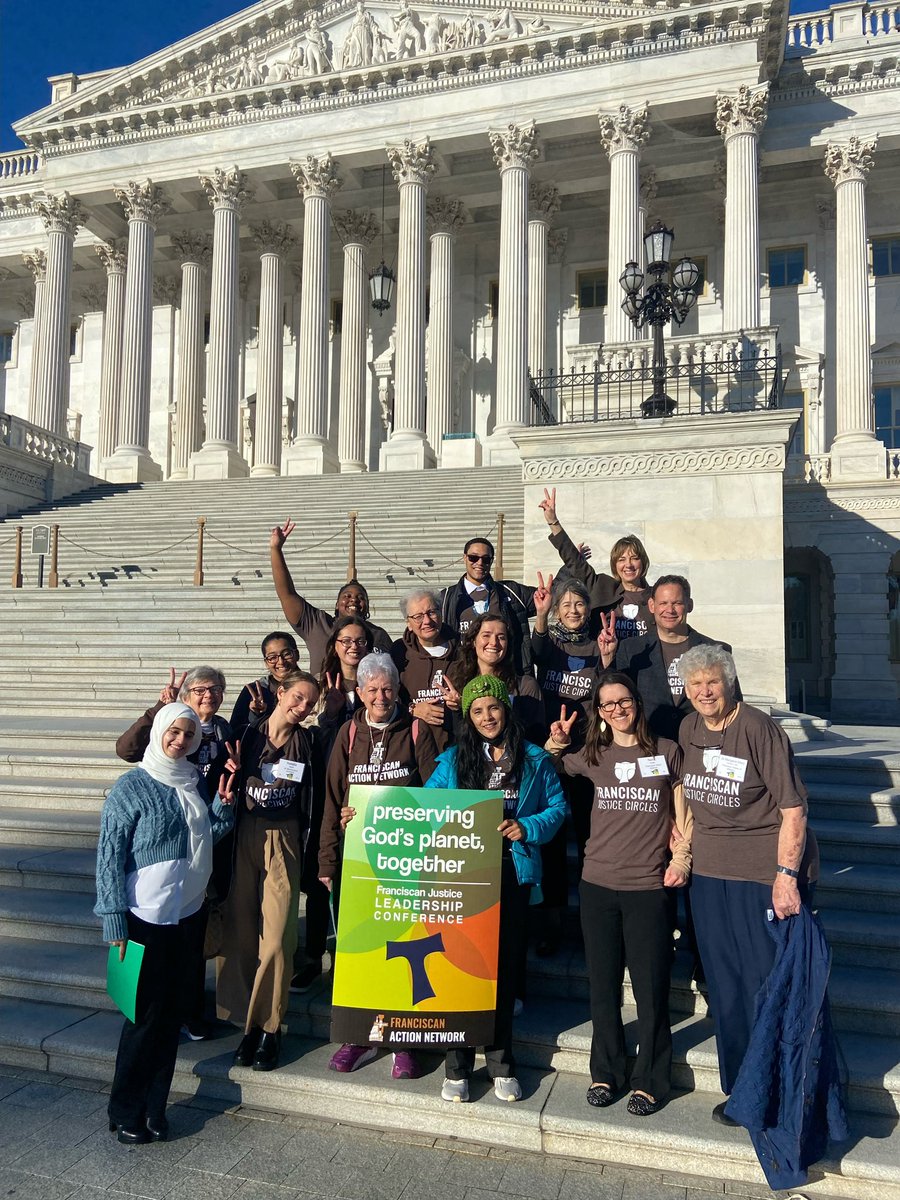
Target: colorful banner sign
x,y
419,920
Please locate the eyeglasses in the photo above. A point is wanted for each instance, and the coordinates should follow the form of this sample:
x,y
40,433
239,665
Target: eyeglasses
x,y
487,559
418,618
610,706
281,656
347,642
212,691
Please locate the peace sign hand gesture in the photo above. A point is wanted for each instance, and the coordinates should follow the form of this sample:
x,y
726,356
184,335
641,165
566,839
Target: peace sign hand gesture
x,y
452,697
281,533
171,690
335,700
233,762
561,730
608,641
543,595
548,504
257,700
226,786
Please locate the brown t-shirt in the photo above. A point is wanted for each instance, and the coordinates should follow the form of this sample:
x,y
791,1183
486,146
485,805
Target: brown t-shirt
x,y
421,675
631,819
398,756
735,781
633,617
276,781
566,671
671,655
314,628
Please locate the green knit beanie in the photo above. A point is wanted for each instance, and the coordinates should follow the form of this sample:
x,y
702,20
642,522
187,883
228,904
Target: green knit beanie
x,y
483,685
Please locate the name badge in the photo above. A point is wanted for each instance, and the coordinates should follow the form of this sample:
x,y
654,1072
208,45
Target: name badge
x,y
285,768
730,767
653,765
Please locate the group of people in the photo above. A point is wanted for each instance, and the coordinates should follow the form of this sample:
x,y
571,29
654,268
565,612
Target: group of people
x,y
587,696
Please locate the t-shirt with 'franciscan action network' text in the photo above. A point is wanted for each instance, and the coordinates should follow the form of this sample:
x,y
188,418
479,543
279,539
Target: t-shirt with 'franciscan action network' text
x,y
671,655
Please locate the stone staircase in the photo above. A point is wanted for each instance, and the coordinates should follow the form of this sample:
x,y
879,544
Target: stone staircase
x,y
81,662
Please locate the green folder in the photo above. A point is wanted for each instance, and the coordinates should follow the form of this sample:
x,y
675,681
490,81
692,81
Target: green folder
x,y
122,977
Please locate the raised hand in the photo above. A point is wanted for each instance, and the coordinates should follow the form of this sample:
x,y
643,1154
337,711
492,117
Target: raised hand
x,y
452,698
607,641
543,595
226,785
548,504
257,700
233,762
561,730
584,550
335,699
281,533
171,690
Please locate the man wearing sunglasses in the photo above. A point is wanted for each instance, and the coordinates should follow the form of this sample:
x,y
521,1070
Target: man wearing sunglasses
x,y
478,592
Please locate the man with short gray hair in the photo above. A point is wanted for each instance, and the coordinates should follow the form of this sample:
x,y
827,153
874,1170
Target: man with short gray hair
x,y
422,657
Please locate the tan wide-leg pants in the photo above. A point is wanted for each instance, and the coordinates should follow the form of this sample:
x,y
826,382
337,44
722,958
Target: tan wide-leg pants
x,y
260,934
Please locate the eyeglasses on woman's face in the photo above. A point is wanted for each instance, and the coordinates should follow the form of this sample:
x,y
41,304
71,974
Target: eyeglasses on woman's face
x,y
277,656
209,690
347,642
626,704
430,614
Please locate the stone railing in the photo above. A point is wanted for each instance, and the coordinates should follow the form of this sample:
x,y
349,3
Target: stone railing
x,y
808,31
816,468
17,165
20,435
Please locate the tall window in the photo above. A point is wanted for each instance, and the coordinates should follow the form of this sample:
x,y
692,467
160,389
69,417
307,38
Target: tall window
x,y
886,256
787,266
6,346
493,299
592,289
796,618
797,444
887,415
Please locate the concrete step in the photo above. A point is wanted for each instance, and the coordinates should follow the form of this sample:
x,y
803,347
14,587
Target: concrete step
x,y
844,801
63,828
858,841
70,871
553,1116
858,886
63,764
49,916
863,939
43,794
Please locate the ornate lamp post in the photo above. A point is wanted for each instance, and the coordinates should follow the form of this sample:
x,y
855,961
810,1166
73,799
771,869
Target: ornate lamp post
x,y
662,301
382,279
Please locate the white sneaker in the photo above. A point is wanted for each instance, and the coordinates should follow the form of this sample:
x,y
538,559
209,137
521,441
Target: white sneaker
x,y
455,1090
507,1088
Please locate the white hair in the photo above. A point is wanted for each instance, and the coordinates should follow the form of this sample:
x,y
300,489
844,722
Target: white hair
x,y
707,658
419,594
375,666
201,675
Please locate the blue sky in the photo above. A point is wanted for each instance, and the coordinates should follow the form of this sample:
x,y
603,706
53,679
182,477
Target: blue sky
x,y
39,38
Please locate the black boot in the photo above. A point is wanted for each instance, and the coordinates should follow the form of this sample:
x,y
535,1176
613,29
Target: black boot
x,y
246,1051
267,1055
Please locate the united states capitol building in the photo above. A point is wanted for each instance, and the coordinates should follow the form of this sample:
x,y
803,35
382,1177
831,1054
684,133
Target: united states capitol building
x,y
190,246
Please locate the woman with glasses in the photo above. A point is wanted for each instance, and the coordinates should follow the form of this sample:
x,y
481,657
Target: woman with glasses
x,y
257,699
627,867
350,642
422,657
202,690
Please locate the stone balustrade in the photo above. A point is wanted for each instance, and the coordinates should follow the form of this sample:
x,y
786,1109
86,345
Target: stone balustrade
x,y
16,434
16,165
816,468
809,31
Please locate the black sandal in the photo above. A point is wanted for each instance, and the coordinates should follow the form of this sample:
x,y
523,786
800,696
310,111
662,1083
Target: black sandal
x,y
600,1095
643,1106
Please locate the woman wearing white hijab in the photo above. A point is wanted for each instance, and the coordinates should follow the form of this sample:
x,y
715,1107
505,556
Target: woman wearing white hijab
x,y
154,859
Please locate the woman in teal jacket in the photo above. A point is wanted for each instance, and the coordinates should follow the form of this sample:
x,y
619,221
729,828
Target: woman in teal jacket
x,y
492,754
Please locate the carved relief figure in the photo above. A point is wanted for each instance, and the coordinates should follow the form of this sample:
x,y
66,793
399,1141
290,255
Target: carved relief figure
x,y
503,27
381,45
434,34
318,60
467,34
409,36
359,47
291,68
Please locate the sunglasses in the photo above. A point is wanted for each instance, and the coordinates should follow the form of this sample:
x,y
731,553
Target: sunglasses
x,y
482,558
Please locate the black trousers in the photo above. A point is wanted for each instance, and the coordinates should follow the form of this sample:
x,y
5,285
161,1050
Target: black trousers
x,y
629,928
514,896
193,1007
148,1048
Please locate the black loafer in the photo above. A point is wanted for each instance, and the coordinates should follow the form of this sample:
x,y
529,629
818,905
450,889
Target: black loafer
x,y
642,1106
132,1137
246,1051
600,1095
158,1128
721,1117
266,1058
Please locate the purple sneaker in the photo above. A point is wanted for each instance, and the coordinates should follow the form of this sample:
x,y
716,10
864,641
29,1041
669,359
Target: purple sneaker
x,y
350,1058
406,1066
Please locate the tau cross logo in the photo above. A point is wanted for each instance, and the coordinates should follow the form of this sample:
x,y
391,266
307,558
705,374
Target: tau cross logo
x,y
711,757
625,771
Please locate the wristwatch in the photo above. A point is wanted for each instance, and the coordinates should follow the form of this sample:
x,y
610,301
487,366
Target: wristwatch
x,y
787,871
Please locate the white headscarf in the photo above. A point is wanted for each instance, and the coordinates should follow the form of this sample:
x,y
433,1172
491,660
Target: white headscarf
x,y
183,776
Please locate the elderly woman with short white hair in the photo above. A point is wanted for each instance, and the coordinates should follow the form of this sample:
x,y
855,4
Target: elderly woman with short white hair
x,y
751,847
422,656
380,744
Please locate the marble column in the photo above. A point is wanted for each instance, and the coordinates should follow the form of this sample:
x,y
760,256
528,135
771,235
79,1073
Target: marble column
x,y
114,258
739,119
856,454
61,214
444,217
36,262
557,245
220,456
144,204
194,251
274,241
311,453
357,231
412,165
543,199
515,149
622,133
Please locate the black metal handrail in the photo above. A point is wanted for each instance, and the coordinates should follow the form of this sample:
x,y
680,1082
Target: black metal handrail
x,y
718,382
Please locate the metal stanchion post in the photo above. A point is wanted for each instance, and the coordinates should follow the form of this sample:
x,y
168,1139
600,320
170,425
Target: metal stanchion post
x,y
17,569
499,560
53,581
198,569
351,558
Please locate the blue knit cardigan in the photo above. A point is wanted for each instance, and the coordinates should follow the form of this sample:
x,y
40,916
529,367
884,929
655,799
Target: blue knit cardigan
x,y
142,823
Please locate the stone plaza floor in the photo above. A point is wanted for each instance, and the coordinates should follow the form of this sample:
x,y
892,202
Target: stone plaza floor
x,y
55,1145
